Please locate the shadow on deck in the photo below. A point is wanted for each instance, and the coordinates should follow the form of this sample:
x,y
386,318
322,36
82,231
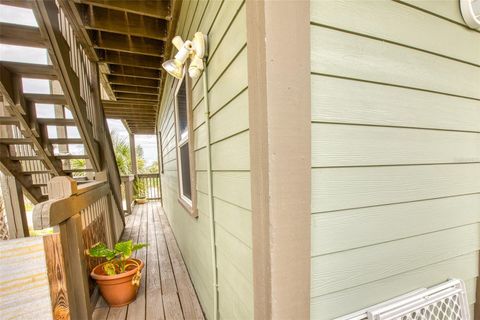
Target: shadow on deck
x,y
166,291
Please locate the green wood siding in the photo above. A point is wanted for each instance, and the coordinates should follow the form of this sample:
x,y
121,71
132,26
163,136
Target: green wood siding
x,y
395,151
225,24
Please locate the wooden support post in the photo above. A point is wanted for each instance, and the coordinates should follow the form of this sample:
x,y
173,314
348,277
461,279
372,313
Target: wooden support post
x,y
76,270
14,207
133,154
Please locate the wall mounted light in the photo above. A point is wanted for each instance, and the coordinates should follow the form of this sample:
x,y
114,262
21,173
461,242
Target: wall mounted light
x,y
471,12
194,49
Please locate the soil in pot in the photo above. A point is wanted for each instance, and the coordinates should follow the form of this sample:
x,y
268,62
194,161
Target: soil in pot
x,y
117,290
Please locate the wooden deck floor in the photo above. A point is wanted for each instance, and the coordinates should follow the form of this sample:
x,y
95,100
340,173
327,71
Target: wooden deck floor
x,y
166,291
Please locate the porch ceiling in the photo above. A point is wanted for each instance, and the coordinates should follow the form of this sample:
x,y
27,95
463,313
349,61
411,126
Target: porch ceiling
x,y
130,40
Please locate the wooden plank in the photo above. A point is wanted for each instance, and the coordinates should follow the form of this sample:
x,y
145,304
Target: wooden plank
x,y
154,307
46,98
133,89
20,35
129,44
232,153
232,187
382,62
56,276
368,226
190,305
447,9
231,119
30,70
105,19
356,102
134,96
232,42
132,81
171,302
65,141
135,72
336,145
24,286
56,122
336,189
136,310
346,301
156,9
129,59
463,45
101,310
351,268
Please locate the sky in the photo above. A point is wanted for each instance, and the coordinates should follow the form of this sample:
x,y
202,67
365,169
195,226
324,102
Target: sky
x,y
39,56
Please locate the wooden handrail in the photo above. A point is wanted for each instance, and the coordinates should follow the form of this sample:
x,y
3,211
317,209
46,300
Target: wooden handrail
x,y
53,212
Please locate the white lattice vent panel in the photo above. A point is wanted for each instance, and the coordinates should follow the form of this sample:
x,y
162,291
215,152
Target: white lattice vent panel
x,y
447,301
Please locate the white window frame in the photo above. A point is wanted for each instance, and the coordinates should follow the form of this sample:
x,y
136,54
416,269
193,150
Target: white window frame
x,y
188,204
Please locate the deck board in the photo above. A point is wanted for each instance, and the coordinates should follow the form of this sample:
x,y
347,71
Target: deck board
x,y
166,291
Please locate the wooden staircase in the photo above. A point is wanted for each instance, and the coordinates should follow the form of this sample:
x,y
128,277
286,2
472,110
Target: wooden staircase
x,y
27,151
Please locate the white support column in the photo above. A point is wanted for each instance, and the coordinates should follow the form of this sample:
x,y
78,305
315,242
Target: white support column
x,y
133,154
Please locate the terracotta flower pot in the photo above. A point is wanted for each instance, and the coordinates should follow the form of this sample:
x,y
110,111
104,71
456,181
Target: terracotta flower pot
x,y
117,290
141,200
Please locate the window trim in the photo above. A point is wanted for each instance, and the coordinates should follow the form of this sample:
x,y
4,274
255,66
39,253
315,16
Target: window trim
x,y
187,204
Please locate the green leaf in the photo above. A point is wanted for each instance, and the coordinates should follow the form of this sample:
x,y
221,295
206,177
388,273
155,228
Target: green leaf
x,y
100,250
109,269
124,248
139,246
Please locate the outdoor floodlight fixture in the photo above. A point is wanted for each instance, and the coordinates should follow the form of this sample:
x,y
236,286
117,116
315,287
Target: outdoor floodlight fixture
x,y
194,49
471,12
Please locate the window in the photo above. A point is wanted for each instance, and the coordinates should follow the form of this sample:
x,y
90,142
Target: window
x,y
186,172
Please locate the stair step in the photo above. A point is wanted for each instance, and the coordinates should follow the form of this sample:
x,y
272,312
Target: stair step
x,y
36,172
71,156
8,120
65,141
20,35
30,70
46,98
14,158
18,3
39,184
78,170
56,122
15,141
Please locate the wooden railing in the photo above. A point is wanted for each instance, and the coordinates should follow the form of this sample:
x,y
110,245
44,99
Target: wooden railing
x,y
82,215
151,184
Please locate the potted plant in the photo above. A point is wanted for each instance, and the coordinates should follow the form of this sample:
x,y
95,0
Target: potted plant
x,y
140,191
119,277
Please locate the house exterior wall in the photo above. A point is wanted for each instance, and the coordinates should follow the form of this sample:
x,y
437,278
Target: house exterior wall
x,y
225,24
395,151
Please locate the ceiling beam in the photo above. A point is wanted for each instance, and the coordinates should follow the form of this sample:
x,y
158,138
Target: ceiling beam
x,y
129,59
104,19
31,70
114,104
19,35
135,96
156,9
133,89
125,43
139,82
134,72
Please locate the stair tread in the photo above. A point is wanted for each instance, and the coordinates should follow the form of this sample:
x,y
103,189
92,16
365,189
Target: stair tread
x,y
21,35
31,70
46,98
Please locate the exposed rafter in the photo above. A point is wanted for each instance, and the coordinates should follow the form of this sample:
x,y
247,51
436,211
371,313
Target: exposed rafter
x,y
156,9
115,21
